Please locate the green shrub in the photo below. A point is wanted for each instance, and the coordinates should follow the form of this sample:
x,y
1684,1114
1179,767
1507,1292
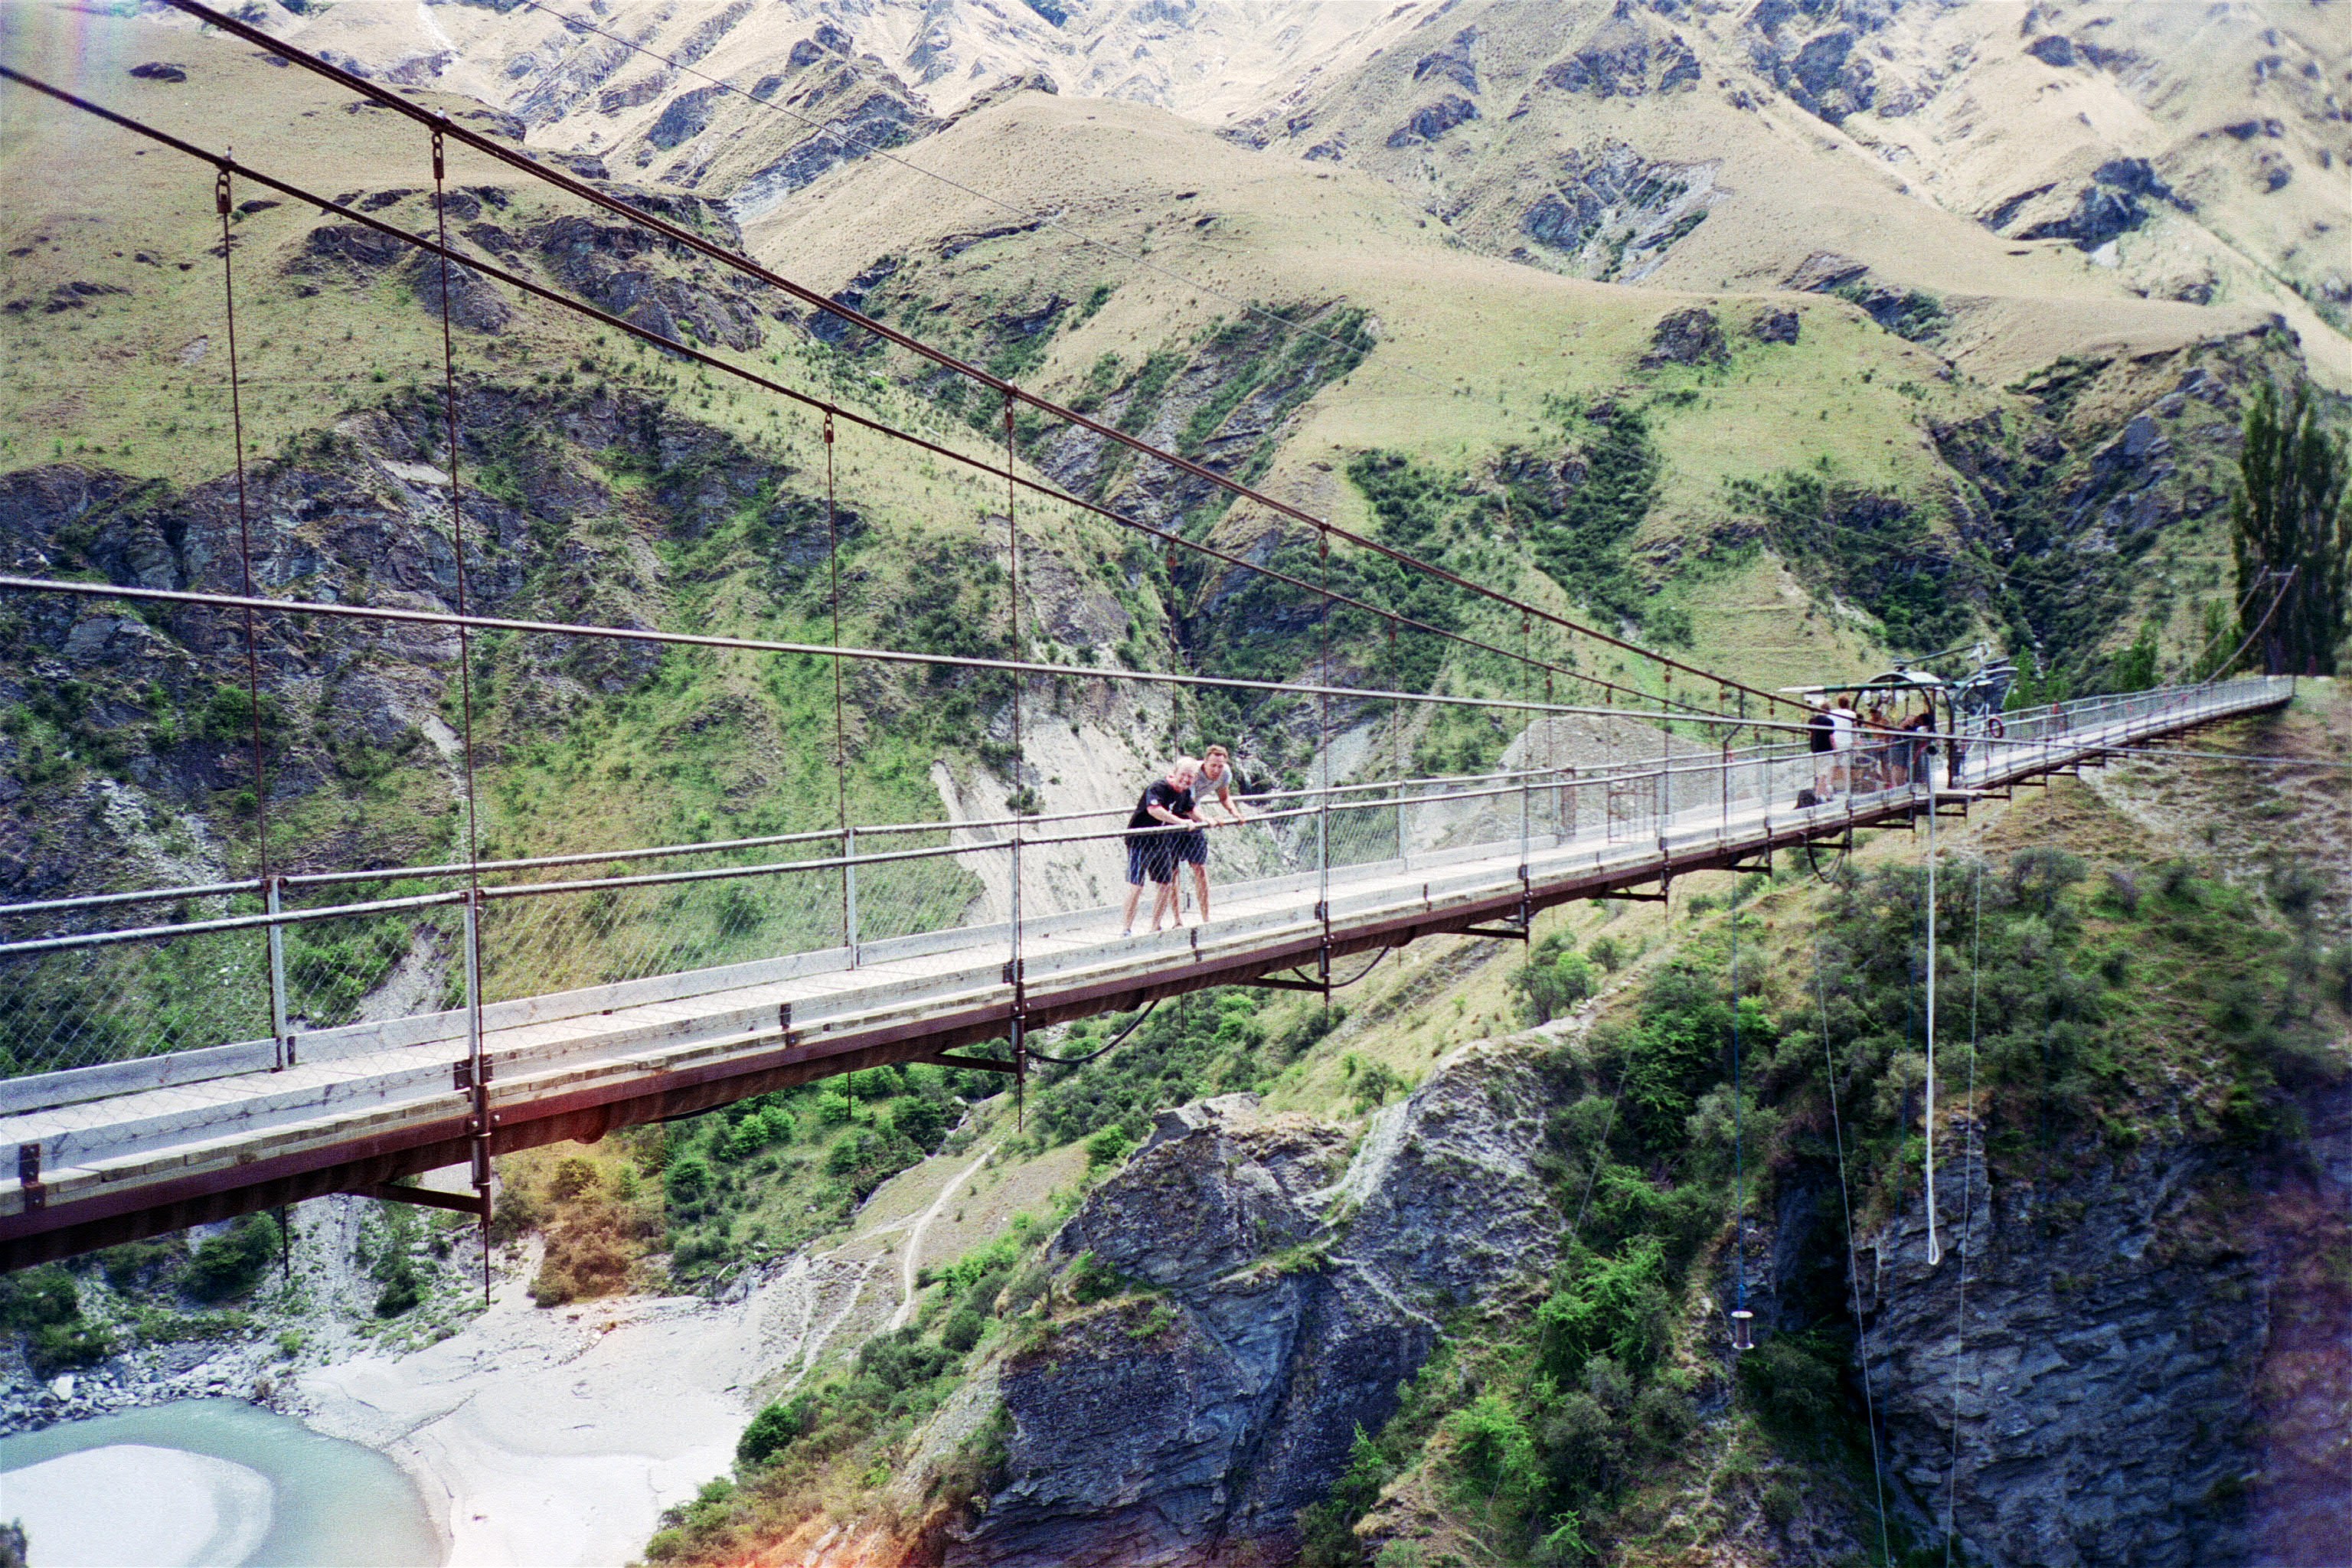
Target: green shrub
x,y
137,1264
1492,1455
1093,1280
1614,1307
1107,1146
38,1298
964,1328
574,1176
60,1347
687,1182
1555,978
1583,1448
921,1121
1326,1529
774,1427
232,1263
1792,1382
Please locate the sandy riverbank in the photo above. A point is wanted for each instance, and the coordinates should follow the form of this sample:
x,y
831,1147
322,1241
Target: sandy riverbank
x,y
558,1437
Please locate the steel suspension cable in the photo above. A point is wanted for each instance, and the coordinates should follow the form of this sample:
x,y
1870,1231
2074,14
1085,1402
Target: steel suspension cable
x,y
734,261
769,645
2285,582
1854,1252
668,345
526,286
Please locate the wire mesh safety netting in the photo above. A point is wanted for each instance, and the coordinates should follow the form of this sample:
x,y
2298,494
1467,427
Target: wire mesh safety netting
x,y
89,982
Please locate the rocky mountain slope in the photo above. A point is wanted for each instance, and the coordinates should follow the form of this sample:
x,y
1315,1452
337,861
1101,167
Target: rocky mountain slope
x,y
2042,152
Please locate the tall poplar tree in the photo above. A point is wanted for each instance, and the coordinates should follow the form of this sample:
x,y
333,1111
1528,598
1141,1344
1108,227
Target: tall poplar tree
x,y
2289,516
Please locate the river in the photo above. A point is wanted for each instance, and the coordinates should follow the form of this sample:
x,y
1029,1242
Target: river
x,y
210,1482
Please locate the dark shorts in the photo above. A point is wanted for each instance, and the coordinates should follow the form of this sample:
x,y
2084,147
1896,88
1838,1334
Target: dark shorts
x,y
1193,848
1152,858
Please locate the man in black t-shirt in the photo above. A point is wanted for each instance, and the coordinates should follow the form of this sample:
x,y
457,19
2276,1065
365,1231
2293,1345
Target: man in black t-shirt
x,y
1166,804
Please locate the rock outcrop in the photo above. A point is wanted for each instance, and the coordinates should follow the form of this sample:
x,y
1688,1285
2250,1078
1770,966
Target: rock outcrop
x,y
1281,1290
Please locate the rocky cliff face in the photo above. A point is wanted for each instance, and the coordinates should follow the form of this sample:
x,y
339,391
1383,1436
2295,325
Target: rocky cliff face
x,y
1281,1288
2083,1362
2145,1363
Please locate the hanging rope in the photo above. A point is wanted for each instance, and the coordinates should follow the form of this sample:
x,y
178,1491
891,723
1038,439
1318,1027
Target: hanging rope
x,y
1968,1192
1852,1253
1739,1145
1081,1061
1934,1248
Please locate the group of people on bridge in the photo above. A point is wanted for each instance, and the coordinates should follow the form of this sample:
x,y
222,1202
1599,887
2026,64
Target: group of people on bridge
x,y
1864,749
1168,832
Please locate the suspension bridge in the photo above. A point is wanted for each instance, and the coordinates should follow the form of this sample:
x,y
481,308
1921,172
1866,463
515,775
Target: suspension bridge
x,y
173,1061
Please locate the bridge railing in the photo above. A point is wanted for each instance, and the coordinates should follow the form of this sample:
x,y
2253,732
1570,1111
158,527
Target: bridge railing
x,y
177,985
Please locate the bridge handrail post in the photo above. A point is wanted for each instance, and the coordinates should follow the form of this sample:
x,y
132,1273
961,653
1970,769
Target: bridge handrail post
x,y
481,1079
280,1037
849,893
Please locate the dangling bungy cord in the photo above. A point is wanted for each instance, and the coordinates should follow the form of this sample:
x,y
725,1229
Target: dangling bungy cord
x,y
1852,1253
1934,1248
1741,1329
1968,1192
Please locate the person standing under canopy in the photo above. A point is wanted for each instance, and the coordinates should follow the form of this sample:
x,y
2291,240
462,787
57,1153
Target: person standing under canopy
x,y
1843,722
1166,802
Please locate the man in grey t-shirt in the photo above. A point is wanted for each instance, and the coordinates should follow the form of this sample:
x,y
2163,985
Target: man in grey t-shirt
x,y
1214,779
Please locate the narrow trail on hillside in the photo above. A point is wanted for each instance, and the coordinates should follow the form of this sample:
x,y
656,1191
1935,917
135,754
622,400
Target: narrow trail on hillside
x,y
912,1262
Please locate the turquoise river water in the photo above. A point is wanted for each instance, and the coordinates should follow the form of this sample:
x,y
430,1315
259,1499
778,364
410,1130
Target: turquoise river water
x,y
209,1483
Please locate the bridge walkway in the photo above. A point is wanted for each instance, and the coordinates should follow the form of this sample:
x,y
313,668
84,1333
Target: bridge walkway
x,y
135,1148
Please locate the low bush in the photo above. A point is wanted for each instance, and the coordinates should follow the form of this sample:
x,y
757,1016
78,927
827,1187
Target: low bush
x,y
233,1262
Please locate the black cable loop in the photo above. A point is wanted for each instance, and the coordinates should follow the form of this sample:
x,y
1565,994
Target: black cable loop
x,y
1343,985
1081,1061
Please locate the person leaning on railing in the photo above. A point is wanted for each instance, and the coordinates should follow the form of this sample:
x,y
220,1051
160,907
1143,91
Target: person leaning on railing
x,y
1166,802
